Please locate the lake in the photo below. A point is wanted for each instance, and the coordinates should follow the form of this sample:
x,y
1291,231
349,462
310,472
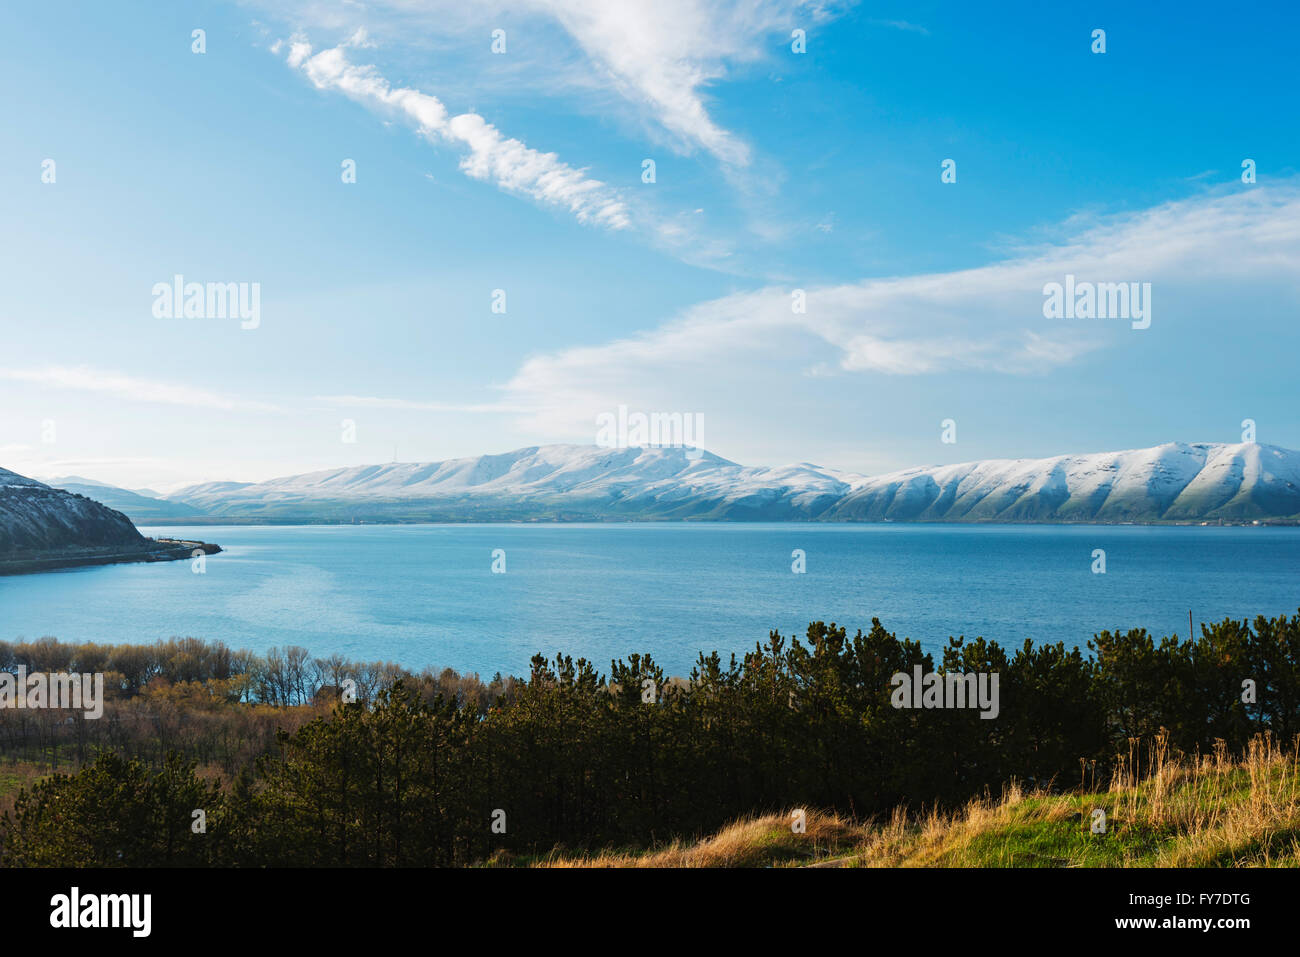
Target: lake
x,y
426,594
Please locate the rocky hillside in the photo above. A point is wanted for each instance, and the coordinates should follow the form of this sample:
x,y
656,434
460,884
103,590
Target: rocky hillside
x,y
35,517
43,528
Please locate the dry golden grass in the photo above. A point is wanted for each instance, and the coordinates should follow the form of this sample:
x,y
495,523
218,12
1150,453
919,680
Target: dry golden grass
x,y
1161,810
750,842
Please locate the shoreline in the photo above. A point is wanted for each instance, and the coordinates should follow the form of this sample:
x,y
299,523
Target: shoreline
x,y
294,522
150,550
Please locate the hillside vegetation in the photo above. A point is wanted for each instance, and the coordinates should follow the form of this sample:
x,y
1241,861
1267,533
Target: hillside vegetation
x,y
322,762
1206,811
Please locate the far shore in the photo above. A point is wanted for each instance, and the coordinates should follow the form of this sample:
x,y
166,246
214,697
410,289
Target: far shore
x,y
226,521
150,550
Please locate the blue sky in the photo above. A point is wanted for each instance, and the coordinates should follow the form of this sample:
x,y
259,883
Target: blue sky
x,y
522,171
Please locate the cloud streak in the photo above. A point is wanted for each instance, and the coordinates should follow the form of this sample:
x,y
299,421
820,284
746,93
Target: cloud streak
x,y
489,155
659,55
418,405
118,385
988,319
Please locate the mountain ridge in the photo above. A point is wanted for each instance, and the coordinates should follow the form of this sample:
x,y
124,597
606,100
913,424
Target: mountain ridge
x,y
1172,482
141,507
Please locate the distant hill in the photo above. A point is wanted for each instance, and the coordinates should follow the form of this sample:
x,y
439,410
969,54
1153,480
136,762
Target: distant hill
x,y
1172,482
140,506
541,483
45,528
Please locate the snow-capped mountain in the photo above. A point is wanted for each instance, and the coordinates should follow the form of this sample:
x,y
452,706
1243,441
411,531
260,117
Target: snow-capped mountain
x,y
1173,482
569,482
142,505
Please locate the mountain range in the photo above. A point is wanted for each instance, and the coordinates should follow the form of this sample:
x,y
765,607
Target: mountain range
x,y
145,506
1172,482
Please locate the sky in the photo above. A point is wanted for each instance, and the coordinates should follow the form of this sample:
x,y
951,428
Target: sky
x,y
845,243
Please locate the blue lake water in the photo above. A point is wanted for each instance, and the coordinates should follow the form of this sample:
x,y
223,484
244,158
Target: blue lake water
x,y
426,595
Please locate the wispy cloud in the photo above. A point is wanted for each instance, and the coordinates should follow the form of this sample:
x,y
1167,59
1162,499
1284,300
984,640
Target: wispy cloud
x,y
491,155
659,55
86,379
987,319
418,405
650,67
903,25
662,55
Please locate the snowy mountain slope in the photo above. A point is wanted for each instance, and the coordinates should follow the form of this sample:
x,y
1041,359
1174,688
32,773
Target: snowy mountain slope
x,y
574,480
140,508
1172,482
1242,481
1165,483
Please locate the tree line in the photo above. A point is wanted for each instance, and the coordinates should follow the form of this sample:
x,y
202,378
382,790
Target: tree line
x,y
443,769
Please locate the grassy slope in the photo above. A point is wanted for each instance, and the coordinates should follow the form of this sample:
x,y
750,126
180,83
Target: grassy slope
x,y
1206,812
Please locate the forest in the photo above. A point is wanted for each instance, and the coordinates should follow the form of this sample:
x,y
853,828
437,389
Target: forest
x,y
207,756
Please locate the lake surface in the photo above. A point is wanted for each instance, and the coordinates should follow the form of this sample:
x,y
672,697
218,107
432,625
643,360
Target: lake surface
x,y
426,595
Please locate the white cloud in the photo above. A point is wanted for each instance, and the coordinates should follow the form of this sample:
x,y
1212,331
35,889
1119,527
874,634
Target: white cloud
x,y
661,55
903,25
1243,244
418,405
492,156
85,379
